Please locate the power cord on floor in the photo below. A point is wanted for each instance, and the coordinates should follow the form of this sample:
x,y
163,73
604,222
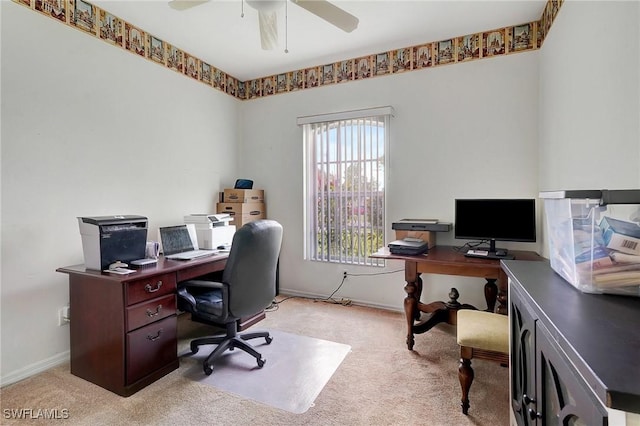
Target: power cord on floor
x,y
344,302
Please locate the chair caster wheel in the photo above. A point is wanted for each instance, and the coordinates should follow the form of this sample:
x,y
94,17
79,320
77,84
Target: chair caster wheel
x,y
207,369
268,339
261,362
194,349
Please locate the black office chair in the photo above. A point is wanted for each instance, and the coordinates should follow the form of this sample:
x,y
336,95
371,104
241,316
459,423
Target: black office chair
x,y
247,287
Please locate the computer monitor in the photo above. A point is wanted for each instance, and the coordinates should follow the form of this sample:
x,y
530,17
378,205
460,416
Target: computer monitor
x,y
495,220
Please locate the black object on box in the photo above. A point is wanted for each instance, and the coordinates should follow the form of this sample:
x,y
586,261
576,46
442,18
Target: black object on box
x,y
409,247
243,184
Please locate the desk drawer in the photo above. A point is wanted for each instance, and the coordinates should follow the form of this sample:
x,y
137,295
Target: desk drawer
x,y
149,288
150,311
199,270
151,347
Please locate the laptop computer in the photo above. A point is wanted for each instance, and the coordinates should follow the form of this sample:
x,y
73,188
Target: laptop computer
x,y
178,245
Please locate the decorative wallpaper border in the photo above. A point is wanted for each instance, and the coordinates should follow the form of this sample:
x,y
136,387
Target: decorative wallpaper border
x,y
102,24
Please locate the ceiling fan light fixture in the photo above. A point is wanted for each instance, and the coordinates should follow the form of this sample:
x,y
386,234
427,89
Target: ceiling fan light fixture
x,y
185,4
266,5
268,30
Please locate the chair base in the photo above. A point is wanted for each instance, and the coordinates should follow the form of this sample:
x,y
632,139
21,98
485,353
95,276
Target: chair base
x,y
230,341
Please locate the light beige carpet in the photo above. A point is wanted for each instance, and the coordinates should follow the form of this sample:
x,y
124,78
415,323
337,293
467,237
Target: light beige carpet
x,y
379,382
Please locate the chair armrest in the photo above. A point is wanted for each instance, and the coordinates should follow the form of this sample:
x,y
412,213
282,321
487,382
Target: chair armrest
x,y
202,284
184,294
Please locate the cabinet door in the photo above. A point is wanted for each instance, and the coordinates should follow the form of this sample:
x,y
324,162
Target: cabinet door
x,y
563,396
523,335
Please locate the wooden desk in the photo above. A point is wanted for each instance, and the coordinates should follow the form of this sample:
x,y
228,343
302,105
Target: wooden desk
x,y
446,260
123,328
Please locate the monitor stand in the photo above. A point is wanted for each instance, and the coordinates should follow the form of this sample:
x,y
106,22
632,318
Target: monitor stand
x,y
493,251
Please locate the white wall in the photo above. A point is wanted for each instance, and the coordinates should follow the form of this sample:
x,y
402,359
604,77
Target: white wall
x,y
465,130
590,98
89,129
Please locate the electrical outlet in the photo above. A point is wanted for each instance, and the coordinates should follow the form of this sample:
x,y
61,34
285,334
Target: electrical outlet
x,y
63,316
344,274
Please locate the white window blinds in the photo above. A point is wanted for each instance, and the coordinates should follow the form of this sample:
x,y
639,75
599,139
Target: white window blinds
x,y
345,156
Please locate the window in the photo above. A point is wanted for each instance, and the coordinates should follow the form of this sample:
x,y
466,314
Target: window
x,y
345,155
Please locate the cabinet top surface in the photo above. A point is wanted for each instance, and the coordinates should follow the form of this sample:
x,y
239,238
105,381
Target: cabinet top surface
x,y
599,333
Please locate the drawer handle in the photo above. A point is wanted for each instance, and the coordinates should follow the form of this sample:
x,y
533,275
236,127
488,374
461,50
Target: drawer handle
x,y
156,337
150,289
150,313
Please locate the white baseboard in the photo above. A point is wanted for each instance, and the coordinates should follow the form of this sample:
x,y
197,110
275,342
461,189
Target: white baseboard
x,y
286,292
34,368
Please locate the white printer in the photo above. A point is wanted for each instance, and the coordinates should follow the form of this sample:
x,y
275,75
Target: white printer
x,y
212,230
108,239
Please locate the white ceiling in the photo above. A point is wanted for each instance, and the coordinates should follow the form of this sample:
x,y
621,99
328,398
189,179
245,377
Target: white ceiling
x,y
216,33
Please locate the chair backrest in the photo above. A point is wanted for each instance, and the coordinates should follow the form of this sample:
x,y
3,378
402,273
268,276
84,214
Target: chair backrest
x,y
251,268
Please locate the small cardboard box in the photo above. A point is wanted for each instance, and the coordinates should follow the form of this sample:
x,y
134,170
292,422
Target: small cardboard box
x,y
428,236
243,212
232,195
593,239
244,219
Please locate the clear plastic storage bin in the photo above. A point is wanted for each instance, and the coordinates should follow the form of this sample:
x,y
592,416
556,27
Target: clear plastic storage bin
x,y
594,239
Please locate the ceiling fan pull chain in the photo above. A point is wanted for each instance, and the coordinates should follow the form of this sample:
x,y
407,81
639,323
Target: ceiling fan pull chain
x,y
286,27
242,8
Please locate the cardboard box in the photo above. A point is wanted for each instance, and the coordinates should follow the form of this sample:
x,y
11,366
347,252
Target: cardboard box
x,y
428,236
244,219
243,212
232,195
621,235
589,246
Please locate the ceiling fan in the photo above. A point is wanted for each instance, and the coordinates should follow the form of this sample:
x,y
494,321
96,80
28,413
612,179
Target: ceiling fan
x,y
267,12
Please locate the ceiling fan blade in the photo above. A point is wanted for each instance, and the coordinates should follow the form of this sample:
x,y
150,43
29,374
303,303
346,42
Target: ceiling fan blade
x,y
268,29
185,4
330,13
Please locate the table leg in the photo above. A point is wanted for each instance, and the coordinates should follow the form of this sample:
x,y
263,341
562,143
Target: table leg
x,y
413,288
439,311
503,292
410,311
491,294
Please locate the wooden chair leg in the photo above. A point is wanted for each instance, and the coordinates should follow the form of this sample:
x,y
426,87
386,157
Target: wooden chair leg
x,y
465,374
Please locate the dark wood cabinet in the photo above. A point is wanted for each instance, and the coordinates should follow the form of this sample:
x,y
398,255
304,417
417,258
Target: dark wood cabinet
x,y
562,396
573,355
522,352
123,329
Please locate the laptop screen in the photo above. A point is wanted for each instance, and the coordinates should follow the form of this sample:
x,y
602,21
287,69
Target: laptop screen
x,y
175,239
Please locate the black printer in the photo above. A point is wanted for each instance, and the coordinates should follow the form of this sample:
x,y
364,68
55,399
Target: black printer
x,y
108,239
